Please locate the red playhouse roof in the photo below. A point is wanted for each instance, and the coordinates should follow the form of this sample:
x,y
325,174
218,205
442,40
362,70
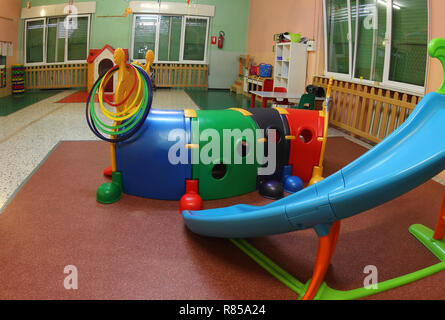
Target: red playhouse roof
x,y
94,53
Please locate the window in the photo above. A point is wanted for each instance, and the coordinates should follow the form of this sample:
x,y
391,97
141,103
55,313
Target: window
x,y
170,38
378,40
57,40
337,23
370,37
195,39
144,35
35,40
2,71
181,39
409,43
78,40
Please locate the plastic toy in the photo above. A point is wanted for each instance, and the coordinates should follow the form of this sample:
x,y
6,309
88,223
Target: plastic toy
x,y
407,158
18,79
140,144
133,106
272,190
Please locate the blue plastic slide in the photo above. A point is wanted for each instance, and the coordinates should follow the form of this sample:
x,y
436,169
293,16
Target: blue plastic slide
x,y
410,156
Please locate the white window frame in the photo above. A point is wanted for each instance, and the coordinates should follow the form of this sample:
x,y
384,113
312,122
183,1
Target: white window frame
x,y
386,83
133,31
45,39
394,84
184,20
158,32
181,53
88,41
336,75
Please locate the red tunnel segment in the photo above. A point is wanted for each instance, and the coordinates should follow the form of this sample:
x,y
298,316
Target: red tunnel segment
x,y
306,129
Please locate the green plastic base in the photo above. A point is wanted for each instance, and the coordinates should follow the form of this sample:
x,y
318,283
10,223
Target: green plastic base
x,y
422,233
110,192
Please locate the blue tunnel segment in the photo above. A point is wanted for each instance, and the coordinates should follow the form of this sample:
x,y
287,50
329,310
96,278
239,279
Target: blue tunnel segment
x,y
144,162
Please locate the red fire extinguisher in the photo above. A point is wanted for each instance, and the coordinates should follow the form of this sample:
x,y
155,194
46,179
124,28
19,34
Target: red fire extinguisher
x,y
221,39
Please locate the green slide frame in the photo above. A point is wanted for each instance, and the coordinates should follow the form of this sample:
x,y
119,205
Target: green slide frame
x,y
422,233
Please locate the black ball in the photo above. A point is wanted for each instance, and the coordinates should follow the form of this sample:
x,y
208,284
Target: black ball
x,y
272,190
310,89
320,93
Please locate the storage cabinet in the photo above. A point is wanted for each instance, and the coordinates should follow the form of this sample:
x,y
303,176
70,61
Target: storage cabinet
x,y
290,67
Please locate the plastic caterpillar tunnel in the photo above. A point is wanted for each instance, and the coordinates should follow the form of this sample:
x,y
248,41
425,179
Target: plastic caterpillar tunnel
x,y
141,142
146,170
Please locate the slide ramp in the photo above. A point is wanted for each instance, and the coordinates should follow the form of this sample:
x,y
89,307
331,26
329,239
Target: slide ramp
x,y
410,156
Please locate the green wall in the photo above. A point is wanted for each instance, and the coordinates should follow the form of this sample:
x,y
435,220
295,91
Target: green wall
x,y
231,16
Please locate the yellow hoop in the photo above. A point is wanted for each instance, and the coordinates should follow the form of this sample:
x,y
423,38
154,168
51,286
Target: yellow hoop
x,y
115,116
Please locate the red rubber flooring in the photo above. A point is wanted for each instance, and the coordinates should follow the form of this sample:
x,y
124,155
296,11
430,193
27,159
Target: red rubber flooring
x,y
81,97
139,248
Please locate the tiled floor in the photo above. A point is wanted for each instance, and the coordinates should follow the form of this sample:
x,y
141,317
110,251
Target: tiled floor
x,y
28,135
219,99
10,104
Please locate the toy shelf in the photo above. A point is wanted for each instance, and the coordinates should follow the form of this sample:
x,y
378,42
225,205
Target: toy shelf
x,y
290,67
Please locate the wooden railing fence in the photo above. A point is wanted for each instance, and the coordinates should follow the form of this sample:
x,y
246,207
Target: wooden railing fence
x,y
75,76
366,111
181,75
56,76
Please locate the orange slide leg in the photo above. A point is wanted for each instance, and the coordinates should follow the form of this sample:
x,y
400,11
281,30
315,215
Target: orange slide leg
x,y
326,248
439,232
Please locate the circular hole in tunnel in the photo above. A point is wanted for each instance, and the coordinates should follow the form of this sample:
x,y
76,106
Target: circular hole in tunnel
x,y
219,171
243,148
306,135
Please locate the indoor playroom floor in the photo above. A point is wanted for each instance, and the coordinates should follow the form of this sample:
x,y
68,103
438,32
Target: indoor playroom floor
x,y
51,165
140,249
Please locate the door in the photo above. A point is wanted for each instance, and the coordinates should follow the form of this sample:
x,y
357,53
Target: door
x,y
104,66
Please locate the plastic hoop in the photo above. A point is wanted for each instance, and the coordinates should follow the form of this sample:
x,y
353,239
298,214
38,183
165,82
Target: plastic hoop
x,y
129,94
116,116
141,112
